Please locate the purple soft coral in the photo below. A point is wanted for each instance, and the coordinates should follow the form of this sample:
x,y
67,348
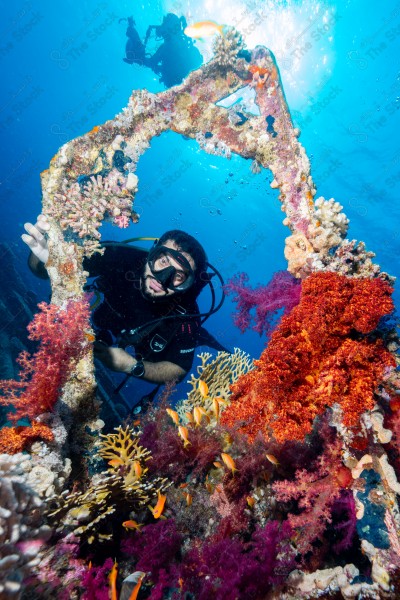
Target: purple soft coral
x,y
282,292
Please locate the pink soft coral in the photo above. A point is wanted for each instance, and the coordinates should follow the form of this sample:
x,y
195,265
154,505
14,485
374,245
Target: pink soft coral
x,y
282,292
315,490
63,341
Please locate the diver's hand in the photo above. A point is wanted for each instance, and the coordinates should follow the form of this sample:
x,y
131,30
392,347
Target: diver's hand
x,y
115,359
35,238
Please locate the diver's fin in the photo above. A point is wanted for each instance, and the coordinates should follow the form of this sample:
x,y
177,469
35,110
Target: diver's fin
x,y
204,338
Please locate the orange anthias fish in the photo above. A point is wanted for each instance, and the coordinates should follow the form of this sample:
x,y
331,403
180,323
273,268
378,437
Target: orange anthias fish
x,y
188,498
131,525
137,468
184,434
197,415
135,591
203,29
230,463
272,459
189,417
174,415
112,579
157,510
216,408
116,462
203,388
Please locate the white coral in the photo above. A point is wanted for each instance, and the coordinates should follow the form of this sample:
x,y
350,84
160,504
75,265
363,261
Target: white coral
x,y
227,46
21,529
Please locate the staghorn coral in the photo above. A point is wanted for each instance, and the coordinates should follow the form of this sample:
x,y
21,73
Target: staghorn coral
x,y
63,343
227,46
313,360
218,374
87,514
22,528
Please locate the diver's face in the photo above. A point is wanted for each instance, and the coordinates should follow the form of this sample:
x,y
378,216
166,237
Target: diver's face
x,y
153,288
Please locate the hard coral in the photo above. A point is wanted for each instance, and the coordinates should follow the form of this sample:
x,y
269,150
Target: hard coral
x,y
315,358
61,332
87,514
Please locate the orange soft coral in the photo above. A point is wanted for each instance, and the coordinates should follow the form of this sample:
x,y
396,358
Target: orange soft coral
x,y
316,357
17,439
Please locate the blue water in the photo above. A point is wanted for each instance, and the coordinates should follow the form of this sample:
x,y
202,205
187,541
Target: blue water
x,y
62,73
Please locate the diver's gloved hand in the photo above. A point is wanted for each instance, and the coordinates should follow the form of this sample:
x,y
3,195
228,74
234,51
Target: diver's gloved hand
x,y
35,238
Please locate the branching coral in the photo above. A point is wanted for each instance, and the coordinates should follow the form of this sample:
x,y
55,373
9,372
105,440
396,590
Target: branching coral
x,y
227,46
282,292
61,333
82,207
124,488
315,358
218,374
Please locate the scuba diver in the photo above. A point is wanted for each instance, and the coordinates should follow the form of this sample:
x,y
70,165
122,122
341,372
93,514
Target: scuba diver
x,y
176,56
148,302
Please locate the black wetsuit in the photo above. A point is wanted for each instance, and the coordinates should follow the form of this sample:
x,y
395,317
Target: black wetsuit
x,y
118,273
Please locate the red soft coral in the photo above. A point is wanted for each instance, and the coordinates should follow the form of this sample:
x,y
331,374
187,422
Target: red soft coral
x,y
313,360
17,439
63,341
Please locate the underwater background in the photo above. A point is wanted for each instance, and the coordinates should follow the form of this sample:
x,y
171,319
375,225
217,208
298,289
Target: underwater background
x,y
63,73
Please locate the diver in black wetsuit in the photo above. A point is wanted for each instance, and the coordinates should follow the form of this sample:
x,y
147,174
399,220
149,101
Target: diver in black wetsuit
x,y
176,56
149,302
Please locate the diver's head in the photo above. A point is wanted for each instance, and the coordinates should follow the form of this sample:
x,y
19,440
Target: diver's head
x,y
175,265
171,26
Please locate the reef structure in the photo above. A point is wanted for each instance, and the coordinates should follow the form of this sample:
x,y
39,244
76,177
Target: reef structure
x,y
93,178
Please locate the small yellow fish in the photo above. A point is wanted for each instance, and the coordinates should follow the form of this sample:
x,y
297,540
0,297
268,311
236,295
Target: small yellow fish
x,y
203,388
228,439
116,462
250,501
272,459
216,408
183,485
209,486
174,415
218,464
203,29
184,433
197,415
157,510
112,579
189,417
131,525
137,468
135,591
228,460
189,498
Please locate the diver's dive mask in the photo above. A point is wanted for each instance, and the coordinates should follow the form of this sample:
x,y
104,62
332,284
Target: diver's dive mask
x,y
170,268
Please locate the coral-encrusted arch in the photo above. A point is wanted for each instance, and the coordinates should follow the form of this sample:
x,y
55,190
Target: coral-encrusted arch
x,y
93,177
